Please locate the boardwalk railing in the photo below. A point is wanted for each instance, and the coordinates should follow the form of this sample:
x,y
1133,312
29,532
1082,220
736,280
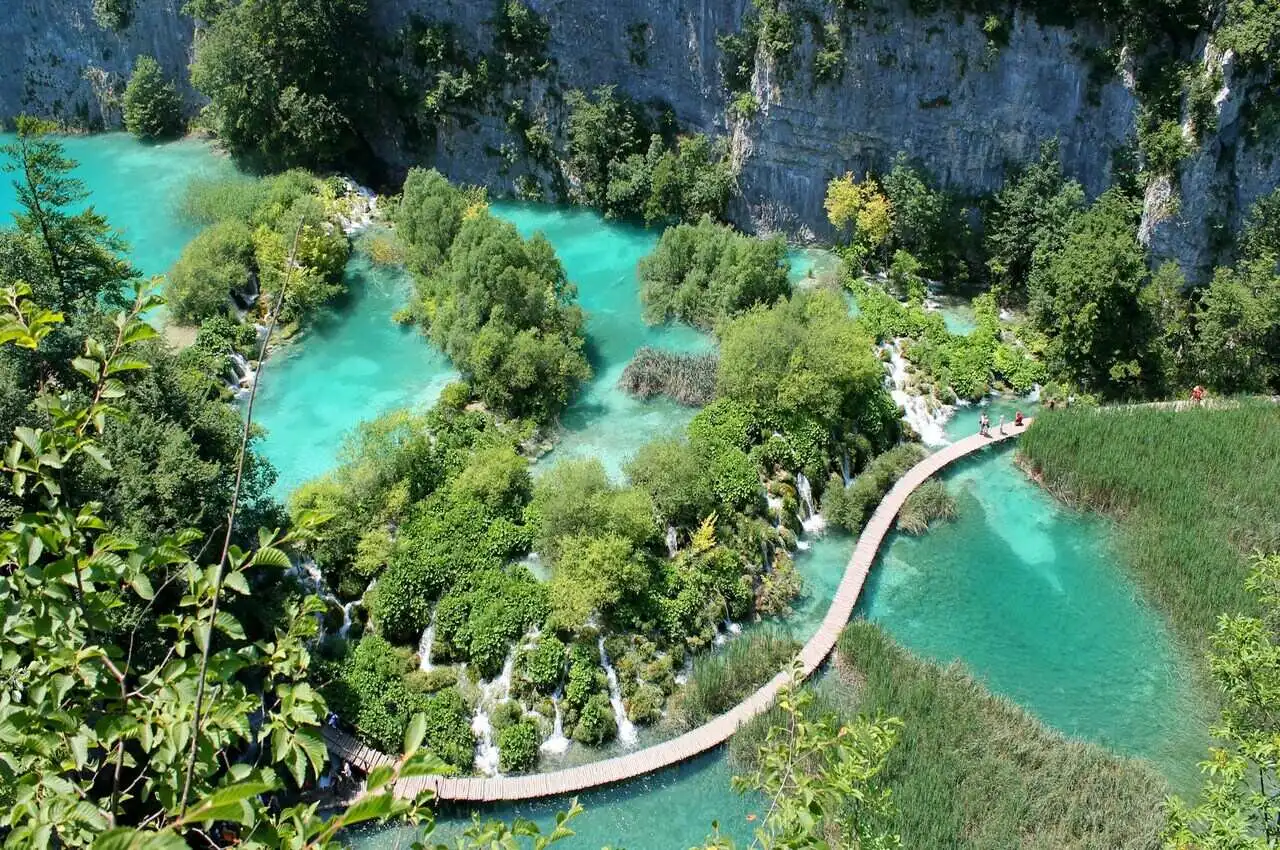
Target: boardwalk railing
x,y
719,729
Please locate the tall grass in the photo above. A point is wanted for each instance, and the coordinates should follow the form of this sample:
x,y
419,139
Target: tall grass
x,y
928,503
975,771
689,379
722,679
1194,493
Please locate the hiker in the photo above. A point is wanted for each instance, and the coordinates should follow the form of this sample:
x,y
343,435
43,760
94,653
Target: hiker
x,y
1017,419
1002,424
1197,395
984,426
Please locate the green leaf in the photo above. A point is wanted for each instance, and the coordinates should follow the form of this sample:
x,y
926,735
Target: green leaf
x,y
236,582
416,731
94,451
370,808
229,625
142,586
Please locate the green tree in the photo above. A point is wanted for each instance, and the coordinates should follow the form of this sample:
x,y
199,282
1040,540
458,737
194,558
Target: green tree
x,y
591,575
286,79
217,262
603,127
152,108
1086,300
1239,806
1028,222
502,309
428,217
920,217
576,497
1237,322
81,251
705,273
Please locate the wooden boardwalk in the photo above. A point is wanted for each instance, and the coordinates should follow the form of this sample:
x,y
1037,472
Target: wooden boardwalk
x,y
714,732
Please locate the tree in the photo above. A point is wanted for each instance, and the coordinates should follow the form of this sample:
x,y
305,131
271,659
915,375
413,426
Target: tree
x,y
502,309
152,108
920,224
591,575
286,79
1086,299
705,273
862,207
1239,807
1237,322
427,218
603,127
82,252
1028,222
216,263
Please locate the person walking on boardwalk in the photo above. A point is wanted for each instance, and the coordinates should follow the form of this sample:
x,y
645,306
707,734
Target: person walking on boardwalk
x,y
1002,423
984,426
1017,419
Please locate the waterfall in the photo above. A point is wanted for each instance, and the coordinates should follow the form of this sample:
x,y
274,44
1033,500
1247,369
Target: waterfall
x,y
308,575
916,413
491,694
428,640
346,619
810,518
556,744
242,374
766,563
844,465
362,206
626,729
673,542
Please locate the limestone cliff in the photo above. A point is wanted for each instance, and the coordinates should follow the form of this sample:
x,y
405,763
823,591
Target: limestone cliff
x,y
932,86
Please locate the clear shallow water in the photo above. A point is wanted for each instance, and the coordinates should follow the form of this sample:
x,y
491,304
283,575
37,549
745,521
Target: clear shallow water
x,y
670,810
353,364
1028,595
601,257
137,187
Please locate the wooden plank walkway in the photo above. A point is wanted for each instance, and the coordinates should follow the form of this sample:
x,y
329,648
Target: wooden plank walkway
x,y
719,729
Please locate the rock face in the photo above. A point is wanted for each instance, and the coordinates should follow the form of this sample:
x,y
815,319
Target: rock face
x,y
56,61
931,86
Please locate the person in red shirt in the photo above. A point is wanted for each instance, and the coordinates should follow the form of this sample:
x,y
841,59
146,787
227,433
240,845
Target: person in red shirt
x,y
1017,419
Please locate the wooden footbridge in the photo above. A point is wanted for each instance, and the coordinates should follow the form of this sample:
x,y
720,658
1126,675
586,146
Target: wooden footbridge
x,y
716,731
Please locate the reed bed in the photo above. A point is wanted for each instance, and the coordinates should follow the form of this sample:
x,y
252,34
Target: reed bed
x,y
928,504
973,771
1194,493
722,679
689,379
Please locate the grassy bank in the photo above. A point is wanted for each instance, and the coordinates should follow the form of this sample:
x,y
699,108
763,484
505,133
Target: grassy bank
x,y
973,770
1194,492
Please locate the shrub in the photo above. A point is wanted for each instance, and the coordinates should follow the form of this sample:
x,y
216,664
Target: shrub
x,y
218,261
704,273
645,705
1163,147
151,106
113,15
518,747
686,378
544,666
596,724
449,733
850,507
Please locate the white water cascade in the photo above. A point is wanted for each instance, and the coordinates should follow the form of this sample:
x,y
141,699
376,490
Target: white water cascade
x,y
810,518
673,542
916,413
626,729
491,694
845,466
362,207
556,743
243,374
428,640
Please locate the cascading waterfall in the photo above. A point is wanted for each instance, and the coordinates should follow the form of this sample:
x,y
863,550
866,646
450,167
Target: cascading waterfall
x,y
810,518
491,694
626,729
556,743
346,618
428,640
929,425
243,375
844,465
673,542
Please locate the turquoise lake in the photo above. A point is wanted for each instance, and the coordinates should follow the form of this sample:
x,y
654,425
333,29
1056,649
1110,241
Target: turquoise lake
x,y
1022,590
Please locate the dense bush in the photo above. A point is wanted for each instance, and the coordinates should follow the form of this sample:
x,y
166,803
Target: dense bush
x,y
687,378
596,724
544,666
575,497
850,507
151,106
502,309
705,273
217,262
427,218
518,747
619,164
